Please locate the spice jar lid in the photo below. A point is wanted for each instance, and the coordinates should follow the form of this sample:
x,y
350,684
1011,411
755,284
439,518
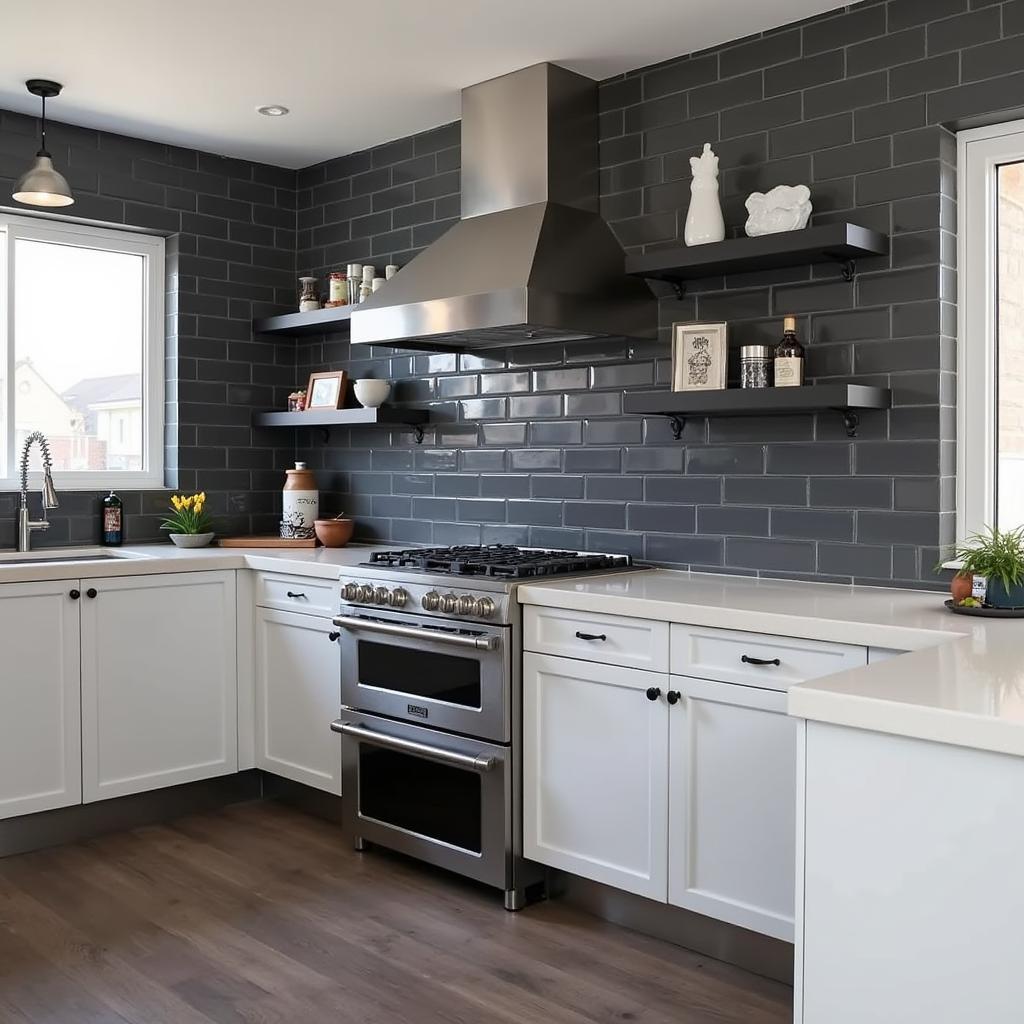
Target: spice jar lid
x,y
755,352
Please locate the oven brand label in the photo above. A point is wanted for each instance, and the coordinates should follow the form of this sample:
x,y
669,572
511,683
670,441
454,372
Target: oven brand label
x,y
418,710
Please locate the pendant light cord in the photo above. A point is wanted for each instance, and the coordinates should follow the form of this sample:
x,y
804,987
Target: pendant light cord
x,y
42,139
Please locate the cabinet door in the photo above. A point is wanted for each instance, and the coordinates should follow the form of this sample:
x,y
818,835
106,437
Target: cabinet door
x,y
595,751
40,698
732,805
298,695
159,687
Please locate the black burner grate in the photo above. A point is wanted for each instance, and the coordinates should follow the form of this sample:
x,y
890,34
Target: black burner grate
x,y
498,560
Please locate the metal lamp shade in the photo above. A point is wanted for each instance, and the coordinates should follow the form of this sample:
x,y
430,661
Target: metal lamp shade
x,y
41,185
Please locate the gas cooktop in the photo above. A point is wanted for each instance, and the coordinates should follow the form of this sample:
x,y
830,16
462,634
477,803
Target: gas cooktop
x,y
503,561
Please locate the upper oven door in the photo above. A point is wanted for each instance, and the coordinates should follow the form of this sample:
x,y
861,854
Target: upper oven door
x,y
452,676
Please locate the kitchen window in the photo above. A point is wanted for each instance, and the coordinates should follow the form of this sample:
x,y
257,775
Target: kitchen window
x,y
82,352
990,378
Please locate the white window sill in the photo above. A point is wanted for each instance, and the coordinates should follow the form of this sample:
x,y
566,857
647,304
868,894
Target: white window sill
x,y
82,482
953,564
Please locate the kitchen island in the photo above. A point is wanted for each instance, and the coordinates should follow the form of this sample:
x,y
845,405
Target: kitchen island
x,y
907,790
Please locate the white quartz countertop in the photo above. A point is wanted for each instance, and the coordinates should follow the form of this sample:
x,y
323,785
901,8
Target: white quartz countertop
x,y
146,559
962,683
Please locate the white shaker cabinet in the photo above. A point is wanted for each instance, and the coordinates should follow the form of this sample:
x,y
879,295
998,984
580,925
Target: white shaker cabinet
x,y
159,686
298,695
594,778
40,736
732,804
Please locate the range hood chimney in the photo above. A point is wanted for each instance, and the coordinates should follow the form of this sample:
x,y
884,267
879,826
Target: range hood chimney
x,y
531,260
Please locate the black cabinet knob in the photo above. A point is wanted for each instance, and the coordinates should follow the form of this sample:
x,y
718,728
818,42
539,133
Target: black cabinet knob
x,y
333,636
74,594
91,592
673,696
653,692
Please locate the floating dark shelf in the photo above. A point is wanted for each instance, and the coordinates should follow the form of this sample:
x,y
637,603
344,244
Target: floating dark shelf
x,y
322,321
847,399
325,418
830,243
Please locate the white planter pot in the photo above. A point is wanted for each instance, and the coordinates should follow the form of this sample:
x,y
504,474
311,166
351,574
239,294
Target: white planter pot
x,y
191,540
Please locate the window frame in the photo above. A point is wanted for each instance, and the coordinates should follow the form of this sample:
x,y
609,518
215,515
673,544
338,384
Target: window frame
x,y
980,152
152,250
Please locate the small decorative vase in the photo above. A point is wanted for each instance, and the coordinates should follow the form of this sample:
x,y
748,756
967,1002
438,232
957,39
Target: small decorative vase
x,y
998,596
704,220
960,586
191,540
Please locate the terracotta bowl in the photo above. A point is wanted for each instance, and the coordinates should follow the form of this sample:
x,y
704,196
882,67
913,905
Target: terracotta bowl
x,y
334,533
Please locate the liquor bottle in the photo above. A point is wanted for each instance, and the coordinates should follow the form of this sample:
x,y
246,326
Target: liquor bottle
x,y
789,357
113,520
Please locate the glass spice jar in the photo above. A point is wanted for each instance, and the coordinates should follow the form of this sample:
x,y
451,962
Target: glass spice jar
x,y
755,366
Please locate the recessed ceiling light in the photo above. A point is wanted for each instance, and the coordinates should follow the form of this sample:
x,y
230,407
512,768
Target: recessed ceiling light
x,y
273,110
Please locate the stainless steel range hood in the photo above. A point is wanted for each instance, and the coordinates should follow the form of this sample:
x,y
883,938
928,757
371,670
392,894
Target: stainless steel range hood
x,y
531,260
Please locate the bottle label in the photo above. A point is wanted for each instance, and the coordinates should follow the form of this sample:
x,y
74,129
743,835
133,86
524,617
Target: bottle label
x,y
789,372
111,520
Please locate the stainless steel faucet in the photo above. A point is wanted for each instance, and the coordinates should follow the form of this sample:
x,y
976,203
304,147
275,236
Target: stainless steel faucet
x,y
26,526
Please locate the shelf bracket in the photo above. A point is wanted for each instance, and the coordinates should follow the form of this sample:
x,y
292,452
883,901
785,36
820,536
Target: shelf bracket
x,y
849,266
851,420
417,429
677,422
325,434
679,287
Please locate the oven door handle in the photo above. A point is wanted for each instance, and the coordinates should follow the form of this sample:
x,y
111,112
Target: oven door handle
x,y
474,762
478,643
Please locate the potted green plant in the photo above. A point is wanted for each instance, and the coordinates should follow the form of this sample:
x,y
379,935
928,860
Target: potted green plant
x,y
998,555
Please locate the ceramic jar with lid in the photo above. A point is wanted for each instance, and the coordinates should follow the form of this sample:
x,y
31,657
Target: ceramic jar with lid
x,y
300,503
755,366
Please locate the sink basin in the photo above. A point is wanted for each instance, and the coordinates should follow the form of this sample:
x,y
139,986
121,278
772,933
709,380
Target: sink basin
x,y
63,556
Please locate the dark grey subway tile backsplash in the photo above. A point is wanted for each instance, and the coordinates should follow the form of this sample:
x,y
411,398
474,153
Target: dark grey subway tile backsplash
x,y
530,445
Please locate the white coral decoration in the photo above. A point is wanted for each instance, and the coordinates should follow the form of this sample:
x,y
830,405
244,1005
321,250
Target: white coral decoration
x,y
784,208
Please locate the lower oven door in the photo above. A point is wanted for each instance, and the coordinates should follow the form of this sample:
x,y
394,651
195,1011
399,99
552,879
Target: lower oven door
x,y
442,674
443,799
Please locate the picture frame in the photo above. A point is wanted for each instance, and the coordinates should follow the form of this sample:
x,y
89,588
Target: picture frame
x,y
326,390
700,356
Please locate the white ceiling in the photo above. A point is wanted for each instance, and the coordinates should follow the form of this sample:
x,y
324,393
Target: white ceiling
x,y
192,72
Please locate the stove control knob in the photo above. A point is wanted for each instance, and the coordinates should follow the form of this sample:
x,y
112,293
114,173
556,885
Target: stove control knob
x,y
449,602
364,593
484,607
431,601
350,591
381,595
465,605
398,598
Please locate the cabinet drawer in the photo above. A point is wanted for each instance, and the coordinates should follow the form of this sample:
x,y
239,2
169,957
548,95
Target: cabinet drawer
x,y
297,594
611,639
757,659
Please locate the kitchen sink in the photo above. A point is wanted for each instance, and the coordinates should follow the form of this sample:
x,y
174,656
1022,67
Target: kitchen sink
x,y
64,556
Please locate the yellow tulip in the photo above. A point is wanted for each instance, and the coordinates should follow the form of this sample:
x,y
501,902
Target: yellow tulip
x,y
176,503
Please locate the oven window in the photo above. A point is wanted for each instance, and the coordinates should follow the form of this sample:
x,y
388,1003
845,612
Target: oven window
x,y
421,796
427,674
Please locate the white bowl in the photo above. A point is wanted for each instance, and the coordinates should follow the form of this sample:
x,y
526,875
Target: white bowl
x,y
372,393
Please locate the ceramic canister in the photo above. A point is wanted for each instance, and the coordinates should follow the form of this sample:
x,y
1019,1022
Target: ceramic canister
x,y
301,503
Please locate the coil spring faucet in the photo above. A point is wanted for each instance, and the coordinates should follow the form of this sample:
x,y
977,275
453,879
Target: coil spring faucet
x,y
26,526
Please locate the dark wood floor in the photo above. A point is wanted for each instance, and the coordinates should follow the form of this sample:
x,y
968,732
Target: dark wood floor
x,y
260,914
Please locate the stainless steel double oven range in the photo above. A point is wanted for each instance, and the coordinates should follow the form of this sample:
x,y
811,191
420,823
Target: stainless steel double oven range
x,y
431,723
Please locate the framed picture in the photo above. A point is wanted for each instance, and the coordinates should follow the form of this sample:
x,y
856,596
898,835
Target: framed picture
x,y
699,357
326,390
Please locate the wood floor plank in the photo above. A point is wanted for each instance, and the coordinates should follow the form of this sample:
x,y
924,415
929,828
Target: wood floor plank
x,y
261,915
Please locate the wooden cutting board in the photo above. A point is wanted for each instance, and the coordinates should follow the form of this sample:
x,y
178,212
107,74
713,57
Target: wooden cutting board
x,y
265,542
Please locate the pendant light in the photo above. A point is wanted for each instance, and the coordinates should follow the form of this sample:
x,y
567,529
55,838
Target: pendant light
x,y
41,185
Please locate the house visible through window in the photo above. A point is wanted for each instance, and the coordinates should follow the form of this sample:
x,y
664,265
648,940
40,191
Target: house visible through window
x,y
82,346
990,385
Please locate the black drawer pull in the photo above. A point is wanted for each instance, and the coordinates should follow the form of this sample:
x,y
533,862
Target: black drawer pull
x,y
653,693
74,594
673,696
333,636
91,592
590,636
291,593
747,660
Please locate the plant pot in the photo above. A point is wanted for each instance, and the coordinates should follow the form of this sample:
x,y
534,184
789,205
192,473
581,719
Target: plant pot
x,y
191,540
334,533
999,597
